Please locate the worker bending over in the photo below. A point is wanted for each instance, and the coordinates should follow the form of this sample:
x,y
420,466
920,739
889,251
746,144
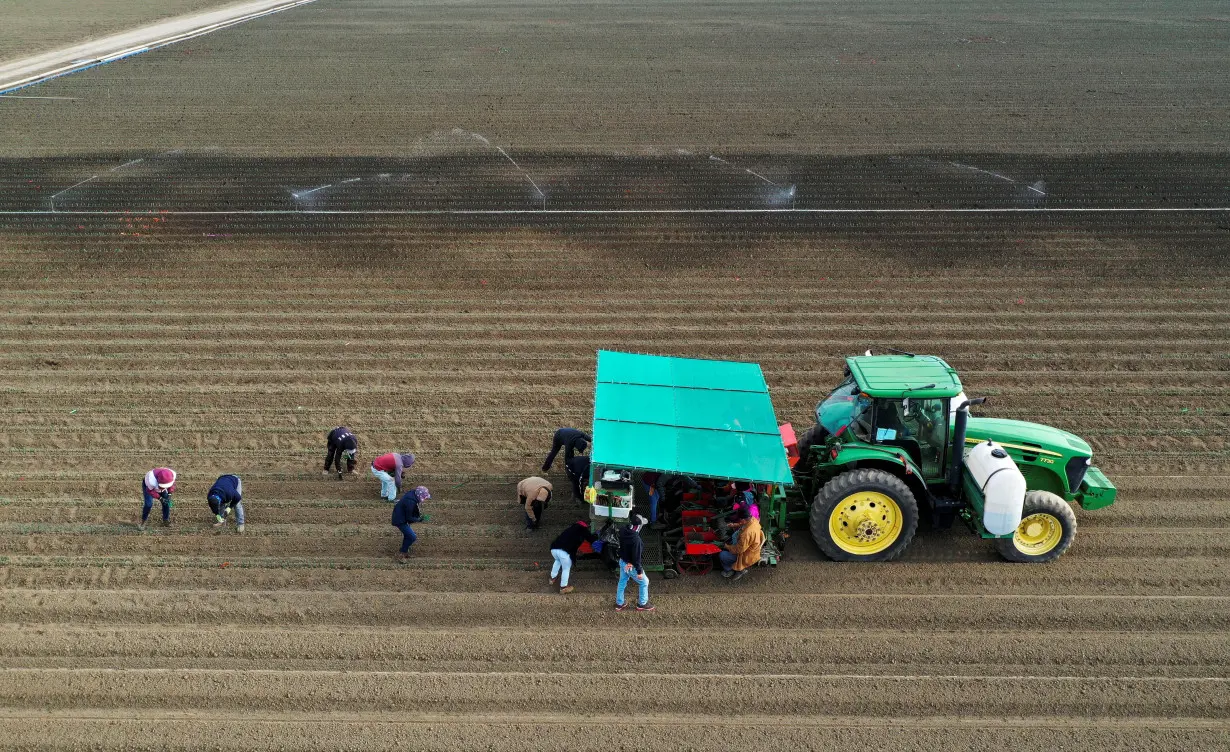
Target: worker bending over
x,y
159,484
388,469
577,470
631,548
535,494
571,440
744,550
224,495
406,511
564,551
341,443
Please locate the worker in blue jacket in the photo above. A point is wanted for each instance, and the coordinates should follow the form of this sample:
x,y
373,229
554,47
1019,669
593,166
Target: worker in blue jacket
x,y
406,511
224,495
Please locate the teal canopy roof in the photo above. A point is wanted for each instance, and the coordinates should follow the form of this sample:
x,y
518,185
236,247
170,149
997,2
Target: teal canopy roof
x,y
709,418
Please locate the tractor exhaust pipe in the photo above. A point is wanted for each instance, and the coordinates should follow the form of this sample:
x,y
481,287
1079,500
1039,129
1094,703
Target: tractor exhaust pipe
x,y
958,443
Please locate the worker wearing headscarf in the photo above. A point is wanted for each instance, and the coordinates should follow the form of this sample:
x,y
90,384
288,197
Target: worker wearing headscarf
x,y
388,469
405,512
159,484
744,552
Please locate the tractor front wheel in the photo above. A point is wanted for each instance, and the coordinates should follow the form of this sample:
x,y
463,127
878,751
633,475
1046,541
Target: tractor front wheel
x,y
1047,528
864,515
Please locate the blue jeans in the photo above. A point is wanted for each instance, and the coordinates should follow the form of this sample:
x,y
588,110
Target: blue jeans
x,y
654,495
642,583
728,560
562,566
407,536
149,504
388,484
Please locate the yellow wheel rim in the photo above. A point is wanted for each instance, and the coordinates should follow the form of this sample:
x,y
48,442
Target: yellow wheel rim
x,y
1038,534
865,523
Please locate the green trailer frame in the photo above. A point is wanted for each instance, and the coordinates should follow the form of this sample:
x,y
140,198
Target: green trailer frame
x,y
706,419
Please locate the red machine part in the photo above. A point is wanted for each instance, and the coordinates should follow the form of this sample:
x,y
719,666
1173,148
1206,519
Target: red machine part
x,y
698,545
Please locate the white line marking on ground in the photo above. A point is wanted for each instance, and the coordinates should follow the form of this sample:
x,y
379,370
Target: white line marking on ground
x,y
19,96
584,212
641,674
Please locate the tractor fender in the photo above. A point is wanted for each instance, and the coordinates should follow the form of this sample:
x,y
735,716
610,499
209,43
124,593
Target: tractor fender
x,y
888,460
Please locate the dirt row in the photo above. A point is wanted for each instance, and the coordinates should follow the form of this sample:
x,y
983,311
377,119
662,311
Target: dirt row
x,y
587,732
702,610
556,650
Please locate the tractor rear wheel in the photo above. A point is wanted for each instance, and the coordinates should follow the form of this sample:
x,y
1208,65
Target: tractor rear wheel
x,y
1047,528
864,515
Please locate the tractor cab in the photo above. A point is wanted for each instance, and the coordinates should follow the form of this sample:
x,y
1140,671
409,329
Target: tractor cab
x,y
898,403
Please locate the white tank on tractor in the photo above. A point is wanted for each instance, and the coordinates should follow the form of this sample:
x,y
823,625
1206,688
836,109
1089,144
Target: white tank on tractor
x,y
1001,484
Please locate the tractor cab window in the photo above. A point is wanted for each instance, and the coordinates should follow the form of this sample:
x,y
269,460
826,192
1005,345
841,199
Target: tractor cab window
x,y
919,427
844,409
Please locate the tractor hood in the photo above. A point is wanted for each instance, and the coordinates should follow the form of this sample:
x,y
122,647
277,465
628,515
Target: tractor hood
x,y
1007,432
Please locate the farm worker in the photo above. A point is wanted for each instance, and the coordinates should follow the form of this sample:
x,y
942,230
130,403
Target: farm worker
x,y
406,511
630,549
409,502
744,551
388,469
577,470
653,489
564,552
159,483
341,443
534,493
224,495
571,441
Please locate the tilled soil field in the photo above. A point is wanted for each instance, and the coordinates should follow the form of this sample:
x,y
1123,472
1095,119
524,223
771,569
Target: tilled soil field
x,y
233,343
191,276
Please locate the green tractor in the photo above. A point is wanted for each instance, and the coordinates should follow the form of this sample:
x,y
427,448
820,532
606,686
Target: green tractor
x,y
895,441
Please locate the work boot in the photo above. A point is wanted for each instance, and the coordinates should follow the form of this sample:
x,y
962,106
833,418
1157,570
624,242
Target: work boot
x,y
403,558
644,607
554,580
239,528
566,590
621,606
166,523
739,575
728,573
141,526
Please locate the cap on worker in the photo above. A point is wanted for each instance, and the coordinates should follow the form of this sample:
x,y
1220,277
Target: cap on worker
x,y
637,522
163,477
421,493
407,460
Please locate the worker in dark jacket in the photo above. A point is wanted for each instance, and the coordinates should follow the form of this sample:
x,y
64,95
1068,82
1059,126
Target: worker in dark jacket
x,y
572,441
224,495
341,443
577,470
631,547
406,511
564,552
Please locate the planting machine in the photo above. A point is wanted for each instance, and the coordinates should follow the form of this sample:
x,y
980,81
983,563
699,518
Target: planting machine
x,y
893,444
